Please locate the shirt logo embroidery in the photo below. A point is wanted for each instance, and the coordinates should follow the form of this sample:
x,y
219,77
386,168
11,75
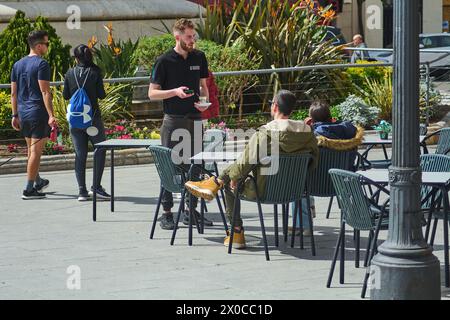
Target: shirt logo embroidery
x,y
193,68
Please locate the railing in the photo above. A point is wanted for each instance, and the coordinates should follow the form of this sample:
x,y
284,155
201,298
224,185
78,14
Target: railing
x,y
251,101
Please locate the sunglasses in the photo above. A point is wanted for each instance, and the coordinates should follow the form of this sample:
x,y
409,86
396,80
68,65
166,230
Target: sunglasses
x,y
45,43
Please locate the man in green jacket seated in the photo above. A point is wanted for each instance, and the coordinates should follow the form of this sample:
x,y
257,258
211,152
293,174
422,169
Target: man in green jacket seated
x,y
291,137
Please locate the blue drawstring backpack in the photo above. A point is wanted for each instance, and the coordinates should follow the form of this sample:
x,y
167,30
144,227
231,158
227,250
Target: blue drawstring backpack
x,y
79,111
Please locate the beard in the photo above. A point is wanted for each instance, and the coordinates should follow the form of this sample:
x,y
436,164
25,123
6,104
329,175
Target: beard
x,y
185,47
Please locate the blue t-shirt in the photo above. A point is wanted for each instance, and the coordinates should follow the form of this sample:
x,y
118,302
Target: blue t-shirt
x,y
26,72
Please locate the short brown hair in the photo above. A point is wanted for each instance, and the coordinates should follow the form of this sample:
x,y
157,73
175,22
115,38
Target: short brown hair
x,y
320,111
183,24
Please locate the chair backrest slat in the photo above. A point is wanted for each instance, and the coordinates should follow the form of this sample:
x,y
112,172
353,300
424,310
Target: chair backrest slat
x,y
319,181
443,145
352,199
286,182
171,176
432,163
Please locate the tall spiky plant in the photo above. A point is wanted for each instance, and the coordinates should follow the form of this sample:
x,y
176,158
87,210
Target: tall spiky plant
x,y
287,35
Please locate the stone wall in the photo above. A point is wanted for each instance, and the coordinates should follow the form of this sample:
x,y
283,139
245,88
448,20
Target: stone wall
x,y
131,19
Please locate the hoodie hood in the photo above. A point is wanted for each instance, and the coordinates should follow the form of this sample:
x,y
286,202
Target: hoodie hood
x,y
293,134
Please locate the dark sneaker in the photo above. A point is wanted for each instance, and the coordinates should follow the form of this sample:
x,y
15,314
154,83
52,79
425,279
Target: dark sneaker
x,y
41,186
33,194
83,196
166,222
207,222
101,194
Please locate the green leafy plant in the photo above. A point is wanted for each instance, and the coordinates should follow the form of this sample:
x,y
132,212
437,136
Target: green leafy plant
x,y
383,126
5,110
300,114
13,45
124,129
6,130
219,58
358,76
150,48
434,99
356,110
58,55
379,93
218,17
257,119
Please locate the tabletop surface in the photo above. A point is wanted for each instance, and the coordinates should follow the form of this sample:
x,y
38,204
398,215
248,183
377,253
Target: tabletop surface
x,y
382,176
220,156
129,143
375,139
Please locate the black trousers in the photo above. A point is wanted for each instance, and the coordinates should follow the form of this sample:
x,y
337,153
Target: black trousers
x,y
184,134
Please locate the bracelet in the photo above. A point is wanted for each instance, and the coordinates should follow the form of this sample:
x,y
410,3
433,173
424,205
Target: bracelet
x,y
15,115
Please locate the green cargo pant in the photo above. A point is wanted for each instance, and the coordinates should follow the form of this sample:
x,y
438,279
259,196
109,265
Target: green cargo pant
x,y
248,191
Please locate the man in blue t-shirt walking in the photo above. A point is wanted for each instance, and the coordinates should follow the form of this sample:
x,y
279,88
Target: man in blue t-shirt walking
x,y
32,108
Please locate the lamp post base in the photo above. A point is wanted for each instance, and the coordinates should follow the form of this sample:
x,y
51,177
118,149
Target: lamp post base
x,y
405,274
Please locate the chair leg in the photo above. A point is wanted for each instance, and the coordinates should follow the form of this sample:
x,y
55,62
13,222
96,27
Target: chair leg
x,y
372,253
342,261
336,252
311,226
177,221
427,230
222,194
366,259
286,217
202,215
329,207
357,245
155,218
283,221
233,222
433,232
302,246
205,208
216,169
275,219
263,230
294,218
222,215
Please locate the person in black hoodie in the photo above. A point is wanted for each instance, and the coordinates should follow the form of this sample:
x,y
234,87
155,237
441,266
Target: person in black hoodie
x,y
86,71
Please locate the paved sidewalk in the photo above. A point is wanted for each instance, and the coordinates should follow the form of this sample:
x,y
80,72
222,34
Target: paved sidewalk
x,y
40,239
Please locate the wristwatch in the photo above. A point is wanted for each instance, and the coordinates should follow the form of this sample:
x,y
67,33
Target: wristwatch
x,y
15,115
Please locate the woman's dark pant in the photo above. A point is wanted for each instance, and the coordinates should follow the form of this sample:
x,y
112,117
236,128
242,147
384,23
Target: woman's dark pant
x,y
80,141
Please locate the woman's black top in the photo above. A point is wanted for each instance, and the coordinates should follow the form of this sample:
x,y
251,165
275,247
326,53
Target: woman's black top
x,y
94,83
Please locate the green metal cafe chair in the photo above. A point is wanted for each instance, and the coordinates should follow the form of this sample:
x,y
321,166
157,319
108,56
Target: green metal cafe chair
x,y
282,187
359,211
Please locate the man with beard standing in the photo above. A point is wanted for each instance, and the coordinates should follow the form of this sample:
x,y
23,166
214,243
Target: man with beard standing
x,y
179,79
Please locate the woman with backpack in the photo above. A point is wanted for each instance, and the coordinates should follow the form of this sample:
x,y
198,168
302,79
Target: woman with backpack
x,y
85,75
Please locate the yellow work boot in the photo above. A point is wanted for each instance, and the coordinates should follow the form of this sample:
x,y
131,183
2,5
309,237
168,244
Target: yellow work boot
x,y
206,189
238,240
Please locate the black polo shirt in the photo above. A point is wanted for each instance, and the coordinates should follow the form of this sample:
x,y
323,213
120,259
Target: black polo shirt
x,y
172,71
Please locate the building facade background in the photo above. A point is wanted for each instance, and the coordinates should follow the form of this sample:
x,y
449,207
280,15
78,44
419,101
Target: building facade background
x,y
131,19
433,13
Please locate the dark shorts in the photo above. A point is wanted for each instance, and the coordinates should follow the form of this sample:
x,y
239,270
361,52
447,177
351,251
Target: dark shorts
x,y
37,129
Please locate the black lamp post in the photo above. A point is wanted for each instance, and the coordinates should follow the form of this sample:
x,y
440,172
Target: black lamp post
x,y
405,267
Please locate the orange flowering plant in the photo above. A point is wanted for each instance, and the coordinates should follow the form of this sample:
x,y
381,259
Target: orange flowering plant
x,y
115,58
